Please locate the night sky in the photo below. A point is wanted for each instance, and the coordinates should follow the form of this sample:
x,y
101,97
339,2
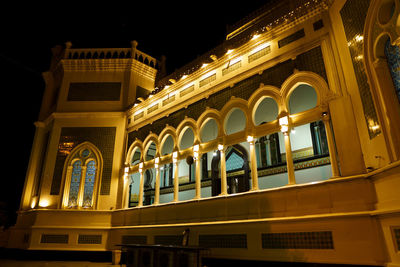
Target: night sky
x,y
180,31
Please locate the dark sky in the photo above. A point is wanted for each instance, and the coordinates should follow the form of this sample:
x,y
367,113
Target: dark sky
x,y
179,30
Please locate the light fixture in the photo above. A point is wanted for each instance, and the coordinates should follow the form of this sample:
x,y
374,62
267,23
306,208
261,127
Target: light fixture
x,y
175,157
284,123
43,203
204,65
250,138
196,148
156,161
229,51
220,147
255,36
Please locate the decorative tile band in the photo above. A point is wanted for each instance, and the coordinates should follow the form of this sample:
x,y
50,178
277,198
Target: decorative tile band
x,y
299,240
223,241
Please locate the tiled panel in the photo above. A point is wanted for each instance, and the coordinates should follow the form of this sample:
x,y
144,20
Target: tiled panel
x,y
299,240
94,91
102,137
353,16
168,240
291,38
89,239
54,239
259,54
134,239
223,241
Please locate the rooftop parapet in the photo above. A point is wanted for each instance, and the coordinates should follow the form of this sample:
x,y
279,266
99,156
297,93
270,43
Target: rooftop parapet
x,y
111,53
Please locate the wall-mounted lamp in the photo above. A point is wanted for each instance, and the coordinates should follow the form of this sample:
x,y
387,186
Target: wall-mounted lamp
x,y
220,147
141,167
284,123
250,138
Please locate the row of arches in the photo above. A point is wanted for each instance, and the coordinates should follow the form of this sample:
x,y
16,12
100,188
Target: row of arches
x,y
301,93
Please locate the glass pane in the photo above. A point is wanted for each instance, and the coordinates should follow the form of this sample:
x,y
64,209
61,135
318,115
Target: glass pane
x,y
148,186
392,53
310,153
205,164
134,189
75,182
136,157
236,122
271,161
168,146
266,111
186,179
166,183
209,131
151,151
302,98
89,183
187,139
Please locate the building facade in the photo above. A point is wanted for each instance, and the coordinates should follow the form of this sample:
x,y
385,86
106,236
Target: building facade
x,y
280,144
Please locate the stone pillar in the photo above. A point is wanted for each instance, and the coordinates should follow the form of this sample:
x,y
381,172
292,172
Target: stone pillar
x,y
331,146
81,186
141,185
197,163
289,159
157,183
253,163
176,180
224,187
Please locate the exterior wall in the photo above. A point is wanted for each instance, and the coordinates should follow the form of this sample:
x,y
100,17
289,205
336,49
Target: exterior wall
x,y
344,211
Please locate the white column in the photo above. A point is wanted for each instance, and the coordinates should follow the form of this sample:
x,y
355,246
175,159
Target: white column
x,y
176,181
331,146
141,185
81,186
253,163
125,196
157,184
289,159
224,186
198,176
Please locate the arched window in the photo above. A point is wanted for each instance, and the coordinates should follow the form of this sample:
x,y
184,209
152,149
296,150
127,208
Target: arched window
x,y
83,167
392,53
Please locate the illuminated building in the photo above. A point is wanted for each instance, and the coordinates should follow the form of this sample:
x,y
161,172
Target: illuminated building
x,y
280,144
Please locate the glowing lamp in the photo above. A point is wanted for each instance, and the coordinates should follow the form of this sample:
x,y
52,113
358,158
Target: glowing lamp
x,y
220,147
43,203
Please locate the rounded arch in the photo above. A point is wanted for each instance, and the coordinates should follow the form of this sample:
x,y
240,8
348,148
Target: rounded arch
x,y
136,145
151,138
264,92
210,113
168,131
309,78
183,127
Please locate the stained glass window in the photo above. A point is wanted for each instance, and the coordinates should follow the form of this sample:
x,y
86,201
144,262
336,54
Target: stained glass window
x,y
75,182
89,183
392,53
